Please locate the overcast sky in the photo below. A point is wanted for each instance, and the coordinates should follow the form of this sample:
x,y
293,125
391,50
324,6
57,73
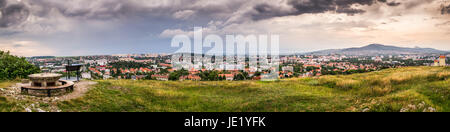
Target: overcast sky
x,y
96,27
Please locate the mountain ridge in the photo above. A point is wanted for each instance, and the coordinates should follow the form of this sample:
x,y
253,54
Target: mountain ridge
x,y
379,49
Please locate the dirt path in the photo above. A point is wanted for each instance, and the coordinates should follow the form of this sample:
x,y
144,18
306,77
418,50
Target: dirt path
x,y
80,89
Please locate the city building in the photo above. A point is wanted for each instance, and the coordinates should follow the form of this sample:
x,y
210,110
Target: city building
x,y
102,62
86,75
288,69
228,77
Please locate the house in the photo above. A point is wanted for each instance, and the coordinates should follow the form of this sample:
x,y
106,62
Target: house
x,y
436,63
191,77
256,78
182,78
194,77
86,76
288,69
193,71
138,77
161,77
229,77
165,65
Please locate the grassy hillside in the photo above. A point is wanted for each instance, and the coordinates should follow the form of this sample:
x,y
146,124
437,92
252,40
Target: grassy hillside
x,y
406,89
413,89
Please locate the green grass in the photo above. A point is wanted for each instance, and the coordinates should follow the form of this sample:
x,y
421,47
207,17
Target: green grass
x,y
413,89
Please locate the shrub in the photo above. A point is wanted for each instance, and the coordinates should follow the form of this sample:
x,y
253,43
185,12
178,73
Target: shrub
x,y
13,67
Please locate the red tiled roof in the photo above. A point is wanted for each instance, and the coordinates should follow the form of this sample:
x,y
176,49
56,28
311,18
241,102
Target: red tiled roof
x,y
194,77
166,65
160,76
226,75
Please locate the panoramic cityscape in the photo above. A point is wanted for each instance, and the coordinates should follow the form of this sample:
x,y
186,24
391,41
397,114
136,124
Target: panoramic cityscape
x,y
256,56
159,67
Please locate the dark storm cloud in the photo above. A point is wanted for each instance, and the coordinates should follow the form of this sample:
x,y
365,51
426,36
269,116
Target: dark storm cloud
x,y
106,10
393,3
203,9
2,3
445,10
416,3
125,9
264,11
13,14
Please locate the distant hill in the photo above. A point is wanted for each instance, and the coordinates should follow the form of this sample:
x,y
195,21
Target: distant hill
x,y
41,57
379,49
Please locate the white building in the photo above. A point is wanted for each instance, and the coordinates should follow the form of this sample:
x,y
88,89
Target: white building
x,y
86,75
102,62
288,69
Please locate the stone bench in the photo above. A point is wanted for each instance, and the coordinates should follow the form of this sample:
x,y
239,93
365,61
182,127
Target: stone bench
x,y
67,85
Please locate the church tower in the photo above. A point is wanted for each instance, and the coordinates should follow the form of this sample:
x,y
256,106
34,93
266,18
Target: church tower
x,y
442,61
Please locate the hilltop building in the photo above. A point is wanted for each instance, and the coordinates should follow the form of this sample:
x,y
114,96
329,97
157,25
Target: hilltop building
x,y
436,63
442,61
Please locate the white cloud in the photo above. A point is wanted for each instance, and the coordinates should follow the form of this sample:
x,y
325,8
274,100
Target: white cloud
x,y
185,14
26,48
403,25
169,33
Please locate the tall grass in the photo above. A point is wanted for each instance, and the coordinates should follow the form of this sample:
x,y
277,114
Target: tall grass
x,y
385,82
387,90
412,89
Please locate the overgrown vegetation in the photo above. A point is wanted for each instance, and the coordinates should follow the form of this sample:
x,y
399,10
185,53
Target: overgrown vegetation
x,y
7,105
13,67
413,89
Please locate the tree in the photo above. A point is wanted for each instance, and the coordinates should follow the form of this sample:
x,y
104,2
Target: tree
x,y
298,68
148,76
210,76
174,76
311,68
241,76
13,67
